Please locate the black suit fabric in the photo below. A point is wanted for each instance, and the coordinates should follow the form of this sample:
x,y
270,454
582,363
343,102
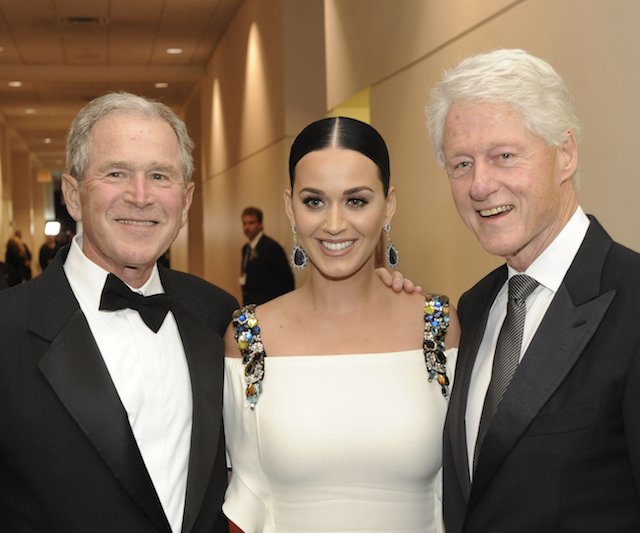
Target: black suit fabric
x,y
268,273
563,451
68,459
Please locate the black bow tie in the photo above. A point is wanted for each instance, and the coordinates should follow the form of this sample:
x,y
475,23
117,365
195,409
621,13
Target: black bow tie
x,y
116,295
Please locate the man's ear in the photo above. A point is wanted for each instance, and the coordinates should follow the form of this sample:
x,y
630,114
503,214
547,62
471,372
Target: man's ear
x,y
568,154
71,194
188,200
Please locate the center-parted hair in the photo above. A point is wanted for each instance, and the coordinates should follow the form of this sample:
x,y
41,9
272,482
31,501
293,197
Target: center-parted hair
x,y
343,133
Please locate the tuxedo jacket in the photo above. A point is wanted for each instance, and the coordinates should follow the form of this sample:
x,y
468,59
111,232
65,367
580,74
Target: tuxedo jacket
x,y
562,453
268,273
68,459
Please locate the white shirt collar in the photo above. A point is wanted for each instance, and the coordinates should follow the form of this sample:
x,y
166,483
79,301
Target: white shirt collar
x,y
254,242
87,280
551,266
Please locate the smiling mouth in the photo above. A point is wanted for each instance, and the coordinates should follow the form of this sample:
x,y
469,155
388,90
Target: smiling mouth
x,y
335,246
495,210
136,222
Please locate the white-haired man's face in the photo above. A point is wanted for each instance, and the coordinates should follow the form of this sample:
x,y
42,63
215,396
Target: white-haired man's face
x,y
512,190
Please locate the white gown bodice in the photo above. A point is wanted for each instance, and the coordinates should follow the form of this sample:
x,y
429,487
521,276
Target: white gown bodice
x,y
337,443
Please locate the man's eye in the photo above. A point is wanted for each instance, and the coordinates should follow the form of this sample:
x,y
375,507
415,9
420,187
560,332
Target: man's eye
x,y
115,174
505,156
158,177
460,169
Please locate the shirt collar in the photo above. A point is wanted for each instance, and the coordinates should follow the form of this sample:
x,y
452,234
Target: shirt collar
x,y
551,266
87,280
254,242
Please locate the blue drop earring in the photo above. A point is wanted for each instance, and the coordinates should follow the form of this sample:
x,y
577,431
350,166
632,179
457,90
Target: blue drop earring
x,y
391,255
299,258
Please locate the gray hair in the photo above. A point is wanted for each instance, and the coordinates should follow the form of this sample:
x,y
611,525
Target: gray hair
x,y
528,84
79,137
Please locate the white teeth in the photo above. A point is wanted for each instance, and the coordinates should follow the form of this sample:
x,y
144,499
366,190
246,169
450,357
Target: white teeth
x,y
495,210
335,246
137,222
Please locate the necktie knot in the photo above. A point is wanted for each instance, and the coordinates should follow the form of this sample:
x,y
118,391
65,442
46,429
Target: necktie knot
x,y
152,309
521,286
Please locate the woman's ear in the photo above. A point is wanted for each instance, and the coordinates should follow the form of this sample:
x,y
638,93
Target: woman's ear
x,y
391,203
288,206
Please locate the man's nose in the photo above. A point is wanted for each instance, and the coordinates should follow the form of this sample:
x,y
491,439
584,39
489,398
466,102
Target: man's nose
x,y
484,181
139,190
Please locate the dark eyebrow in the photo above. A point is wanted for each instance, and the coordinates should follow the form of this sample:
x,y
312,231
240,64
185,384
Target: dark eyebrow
x,y
356,190
347,192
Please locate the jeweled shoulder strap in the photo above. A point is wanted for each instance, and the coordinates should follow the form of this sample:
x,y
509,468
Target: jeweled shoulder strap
x,y
247,333
436,324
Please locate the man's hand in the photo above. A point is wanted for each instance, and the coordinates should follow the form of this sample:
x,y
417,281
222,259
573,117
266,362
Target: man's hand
x,y
397,281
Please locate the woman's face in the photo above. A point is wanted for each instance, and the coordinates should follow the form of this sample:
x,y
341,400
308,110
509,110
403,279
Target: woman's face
x,y
339,209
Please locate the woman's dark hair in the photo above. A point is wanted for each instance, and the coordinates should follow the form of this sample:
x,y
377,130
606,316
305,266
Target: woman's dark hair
x,y
345,133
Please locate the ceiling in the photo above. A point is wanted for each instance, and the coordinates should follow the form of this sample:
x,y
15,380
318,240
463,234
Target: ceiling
x,y
67,52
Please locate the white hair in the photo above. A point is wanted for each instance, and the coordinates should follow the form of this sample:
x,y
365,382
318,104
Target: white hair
x,y
514,77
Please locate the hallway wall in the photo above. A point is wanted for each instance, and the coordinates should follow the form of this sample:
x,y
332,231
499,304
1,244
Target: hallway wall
x,y
267,79
265,82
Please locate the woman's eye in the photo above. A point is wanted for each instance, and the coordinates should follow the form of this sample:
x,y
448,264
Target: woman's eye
x,y
356,202
312,201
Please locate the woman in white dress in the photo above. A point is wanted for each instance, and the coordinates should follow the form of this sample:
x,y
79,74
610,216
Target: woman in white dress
x,y
339,429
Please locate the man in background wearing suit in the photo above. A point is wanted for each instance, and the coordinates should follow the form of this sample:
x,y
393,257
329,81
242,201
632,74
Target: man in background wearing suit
x,y
110,399
265,272
545,435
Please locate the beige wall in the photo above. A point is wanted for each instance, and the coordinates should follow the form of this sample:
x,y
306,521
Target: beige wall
x,y
400,48
284,63
265,82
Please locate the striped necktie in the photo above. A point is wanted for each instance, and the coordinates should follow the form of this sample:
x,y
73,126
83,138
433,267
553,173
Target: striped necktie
x,y
507,354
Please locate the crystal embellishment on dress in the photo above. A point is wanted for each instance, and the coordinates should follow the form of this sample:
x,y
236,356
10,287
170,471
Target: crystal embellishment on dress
x,y
436,323
247,334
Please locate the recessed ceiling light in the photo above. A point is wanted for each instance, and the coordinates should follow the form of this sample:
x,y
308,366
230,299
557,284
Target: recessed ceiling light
x,y
174,50
47,140
15,84
161,85
29,111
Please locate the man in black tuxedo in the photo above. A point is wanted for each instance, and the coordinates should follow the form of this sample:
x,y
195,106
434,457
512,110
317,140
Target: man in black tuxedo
x,y
265,272
110,401
559,449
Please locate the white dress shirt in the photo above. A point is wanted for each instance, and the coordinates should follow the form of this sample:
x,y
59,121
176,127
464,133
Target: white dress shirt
x,y
150,373
549,269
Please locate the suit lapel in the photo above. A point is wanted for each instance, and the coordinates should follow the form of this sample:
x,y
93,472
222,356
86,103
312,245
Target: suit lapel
x,y
571,321
204,350
76,372
473,331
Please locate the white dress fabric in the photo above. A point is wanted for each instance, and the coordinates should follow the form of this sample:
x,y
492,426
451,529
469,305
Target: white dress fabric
x,y
336,443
